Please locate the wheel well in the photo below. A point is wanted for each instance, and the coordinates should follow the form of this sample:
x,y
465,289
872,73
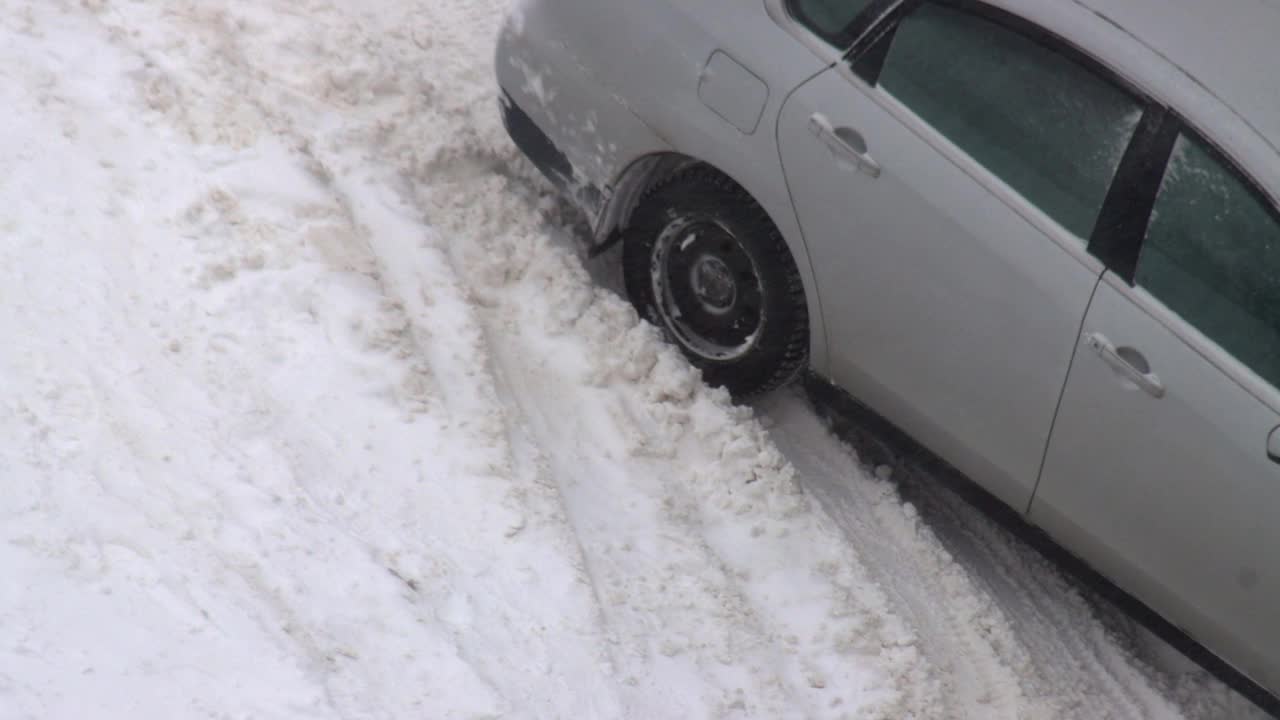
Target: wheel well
x,y
639,176
631,185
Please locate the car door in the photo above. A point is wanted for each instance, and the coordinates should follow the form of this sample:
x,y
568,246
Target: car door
x,y
947,183
1161,471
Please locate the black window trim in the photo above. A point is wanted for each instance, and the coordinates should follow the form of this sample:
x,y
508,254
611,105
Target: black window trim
x,y
1126,209
1130,202
848,37
1252,382
867,55
884,31
1125,249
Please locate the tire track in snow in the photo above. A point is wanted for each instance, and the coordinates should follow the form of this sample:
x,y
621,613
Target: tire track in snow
x,y
467,205
1065,654
961,631
683,598
158,488
356,70
562,301
486,607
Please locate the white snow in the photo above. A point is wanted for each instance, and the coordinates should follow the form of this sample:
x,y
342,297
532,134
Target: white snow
x,y
308,409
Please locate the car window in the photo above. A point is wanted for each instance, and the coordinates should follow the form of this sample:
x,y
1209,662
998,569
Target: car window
x,y
829,18
1212,255
1035,116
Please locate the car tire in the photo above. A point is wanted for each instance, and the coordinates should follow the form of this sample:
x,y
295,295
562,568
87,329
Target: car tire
x,y
703,262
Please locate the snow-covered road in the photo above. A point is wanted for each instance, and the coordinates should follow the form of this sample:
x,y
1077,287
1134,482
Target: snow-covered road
x,y
309,409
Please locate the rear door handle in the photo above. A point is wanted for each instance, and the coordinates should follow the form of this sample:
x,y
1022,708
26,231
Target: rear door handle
x,y
1128,363
845,143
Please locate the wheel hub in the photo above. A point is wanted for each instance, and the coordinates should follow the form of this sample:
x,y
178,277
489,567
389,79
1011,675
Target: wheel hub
x,y
714,285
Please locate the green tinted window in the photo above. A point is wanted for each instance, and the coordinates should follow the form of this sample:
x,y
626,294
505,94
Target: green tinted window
x,y
1038,119
1212,255
829,18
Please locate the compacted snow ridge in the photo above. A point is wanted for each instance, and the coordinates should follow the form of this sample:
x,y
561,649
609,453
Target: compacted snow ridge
x,y
310,409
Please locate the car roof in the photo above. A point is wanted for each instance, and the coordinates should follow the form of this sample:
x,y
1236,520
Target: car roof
x,y
1227,46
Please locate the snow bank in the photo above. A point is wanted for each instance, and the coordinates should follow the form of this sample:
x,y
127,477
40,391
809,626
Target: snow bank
x,y
312,412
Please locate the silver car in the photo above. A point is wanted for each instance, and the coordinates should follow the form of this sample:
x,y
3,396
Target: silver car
x,y
1040,236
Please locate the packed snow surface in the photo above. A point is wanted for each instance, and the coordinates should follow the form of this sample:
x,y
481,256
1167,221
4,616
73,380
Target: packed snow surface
x,y
309,409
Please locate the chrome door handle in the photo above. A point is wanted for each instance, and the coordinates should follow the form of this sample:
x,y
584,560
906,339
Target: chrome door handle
x,y
1128,363
845,143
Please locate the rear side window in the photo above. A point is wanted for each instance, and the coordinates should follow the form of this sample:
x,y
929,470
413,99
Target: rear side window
x,y
1028,110
831,19
1212,255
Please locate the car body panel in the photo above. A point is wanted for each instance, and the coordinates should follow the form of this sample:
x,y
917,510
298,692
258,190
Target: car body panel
x,y
733,92
1173,498
615,84
544,76
957,300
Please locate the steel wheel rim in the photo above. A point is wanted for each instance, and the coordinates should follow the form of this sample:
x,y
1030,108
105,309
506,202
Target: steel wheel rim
x,y
707,289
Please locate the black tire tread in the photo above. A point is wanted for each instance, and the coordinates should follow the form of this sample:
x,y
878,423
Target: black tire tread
x,y
784,349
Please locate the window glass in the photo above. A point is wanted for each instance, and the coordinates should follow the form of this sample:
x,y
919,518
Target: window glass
x,y
829,18
1038,119
1212,255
